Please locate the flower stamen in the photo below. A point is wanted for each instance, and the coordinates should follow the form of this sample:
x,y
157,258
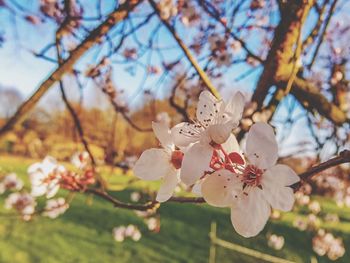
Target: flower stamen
x,y
252,176
176,159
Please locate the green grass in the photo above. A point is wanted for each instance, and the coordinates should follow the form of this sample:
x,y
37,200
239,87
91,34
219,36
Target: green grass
x,y
84,232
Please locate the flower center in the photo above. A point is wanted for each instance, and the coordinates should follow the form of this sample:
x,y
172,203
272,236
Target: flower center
x,y
252,176
176,158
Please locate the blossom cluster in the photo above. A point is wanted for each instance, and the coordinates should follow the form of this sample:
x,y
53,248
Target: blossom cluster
x,y
23,203
206,156
55,10
122,232
101,74
46,178
55,207
150,219
10,182
326,244
323,243
223,49
276,242
334,183
186,9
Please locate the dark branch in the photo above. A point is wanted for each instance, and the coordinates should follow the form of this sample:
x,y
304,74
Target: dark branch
x,y
344,157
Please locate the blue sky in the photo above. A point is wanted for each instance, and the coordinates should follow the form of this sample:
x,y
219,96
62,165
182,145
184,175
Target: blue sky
x,y
22,70
19,68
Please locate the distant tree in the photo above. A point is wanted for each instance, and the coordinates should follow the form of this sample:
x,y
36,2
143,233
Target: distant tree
x,y
10,99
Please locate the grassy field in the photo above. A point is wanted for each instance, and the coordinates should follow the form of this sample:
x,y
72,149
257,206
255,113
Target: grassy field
x,y
84,232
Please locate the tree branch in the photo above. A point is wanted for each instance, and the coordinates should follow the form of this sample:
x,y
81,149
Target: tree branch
x,y
315,31
311,98
214,13
93,38
141,207
278,63
344,157
187,52
322,35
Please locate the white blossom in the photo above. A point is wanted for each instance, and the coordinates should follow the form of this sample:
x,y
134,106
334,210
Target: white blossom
x,y
44,177
122,232
215,121
80,159
10,182
152,223
136,236
260,185
135,196
326,244
275,241
24,203
55,207
300,223
189,15
119,233
315,207
167,9
302,199
164,163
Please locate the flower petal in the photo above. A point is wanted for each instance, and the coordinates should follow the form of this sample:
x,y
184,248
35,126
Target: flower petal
x,y
163,134
280,197
196,161
52,189
48,165
182,134
275,182
153,164
38,190
208,108
167,188
37,178
261,145
233,110
219,133
231,145
34,168
197,188
217,188
250,213
281,174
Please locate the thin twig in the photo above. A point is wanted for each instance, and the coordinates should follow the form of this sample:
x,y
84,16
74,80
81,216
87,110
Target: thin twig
x,y
322,35
344,157
117,203
204,77
214,13
93,38
74,115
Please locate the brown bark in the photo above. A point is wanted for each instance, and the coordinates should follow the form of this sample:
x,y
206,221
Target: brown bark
x,y
311,98
279,62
